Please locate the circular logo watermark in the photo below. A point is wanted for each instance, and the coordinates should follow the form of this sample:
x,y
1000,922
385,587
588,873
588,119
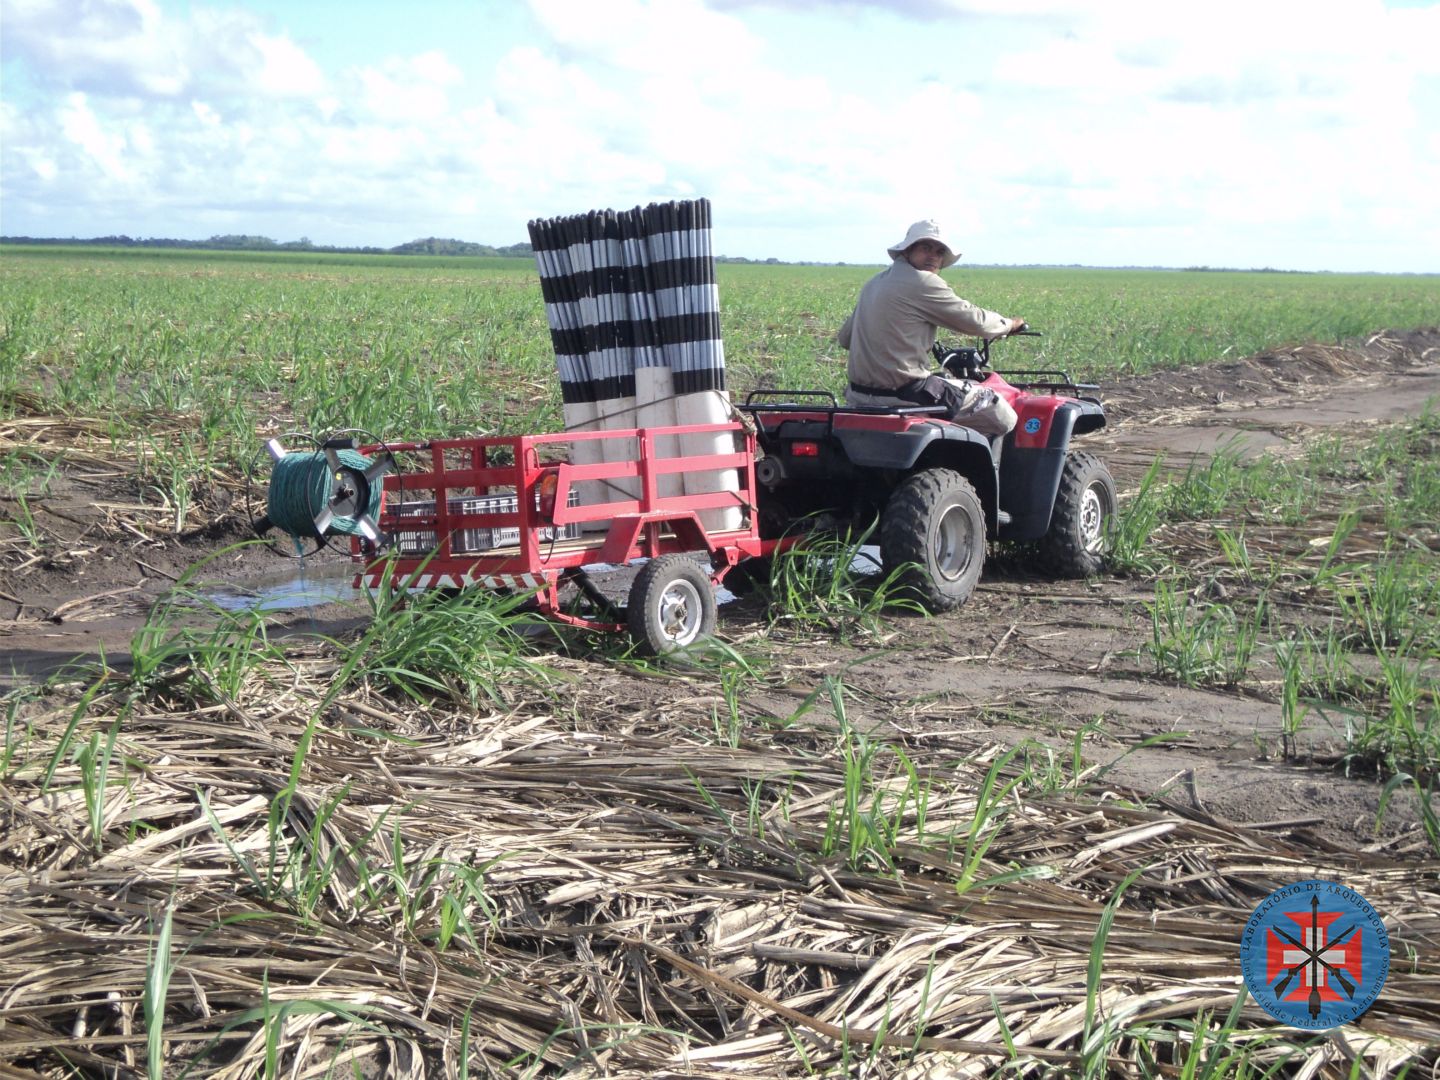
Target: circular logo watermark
x,y
1315,954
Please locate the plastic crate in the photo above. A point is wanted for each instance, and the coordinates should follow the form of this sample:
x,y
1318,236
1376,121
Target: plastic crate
x,y
474,541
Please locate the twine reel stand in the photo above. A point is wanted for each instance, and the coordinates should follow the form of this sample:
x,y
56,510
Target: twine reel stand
x,y
315,494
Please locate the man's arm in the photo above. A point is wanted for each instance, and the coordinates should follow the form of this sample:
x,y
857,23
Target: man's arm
x,y
939,304
843,337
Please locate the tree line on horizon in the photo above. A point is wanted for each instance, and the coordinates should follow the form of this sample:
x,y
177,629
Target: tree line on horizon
x,y
430,245
434,245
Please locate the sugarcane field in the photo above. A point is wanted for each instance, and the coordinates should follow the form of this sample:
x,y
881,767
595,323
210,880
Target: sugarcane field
x,y
325,756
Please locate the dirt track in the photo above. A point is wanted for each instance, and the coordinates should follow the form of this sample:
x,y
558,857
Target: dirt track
x,y
1025,659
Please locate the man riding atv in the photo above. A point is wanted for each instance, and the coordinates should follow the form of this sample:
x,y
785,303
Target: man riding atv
x,y
892,330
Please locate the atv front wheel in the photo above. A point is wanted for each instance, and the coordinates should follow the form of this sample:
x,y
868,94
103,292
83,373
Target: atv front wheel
x,y
934,522
672,605
1080,522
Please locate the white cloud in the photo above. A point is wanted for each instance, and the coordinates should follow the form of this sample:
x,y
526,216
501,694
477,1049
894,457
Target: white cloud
x,y
1256,116
132,47
83,128
120,45
673,37
409,90
207,116
285,70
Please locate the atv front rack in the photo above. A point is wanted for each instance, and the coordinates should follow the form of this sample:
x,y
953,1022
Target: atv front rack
x,y
1052,382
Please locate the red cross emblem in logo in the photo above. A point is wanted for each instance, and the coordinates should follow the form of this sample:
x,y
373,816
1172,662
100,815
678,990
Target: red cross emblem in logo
x,y
1313,964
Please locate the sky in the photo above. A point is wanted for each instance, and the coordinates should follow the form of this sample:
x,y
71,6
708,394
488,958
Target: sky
x,y
1292,134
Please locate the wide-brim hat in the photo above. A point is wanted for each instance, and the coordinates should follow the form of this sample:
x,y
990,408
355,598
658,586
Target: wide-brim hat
x,y
925,230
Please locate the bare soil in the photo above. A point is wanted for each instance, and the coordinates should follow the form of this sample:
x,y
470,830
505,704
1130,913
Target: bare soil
x,y
1026,659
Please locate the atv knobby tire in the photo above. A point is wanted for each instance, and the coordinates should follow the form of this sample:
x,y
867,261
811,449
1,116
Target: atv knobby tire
x,y
1075,544
934,522
672,605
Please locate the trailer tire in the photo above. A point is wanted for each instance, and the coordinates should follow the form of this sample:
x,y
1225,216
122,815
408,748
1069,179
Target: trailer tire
x,y
672,605
934,527
1075,544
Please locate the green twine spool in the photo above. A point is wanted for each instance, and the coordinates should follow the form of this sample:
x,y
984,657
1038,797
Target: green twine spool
x,y
302,485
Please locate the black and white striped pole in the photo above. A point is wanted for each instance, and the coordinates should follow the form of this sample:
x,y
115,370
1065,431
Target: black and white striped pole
x,y
634,316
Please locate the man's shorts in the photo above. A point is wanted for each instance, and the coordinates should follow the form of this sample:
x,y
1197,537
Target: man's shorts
x,y
965,402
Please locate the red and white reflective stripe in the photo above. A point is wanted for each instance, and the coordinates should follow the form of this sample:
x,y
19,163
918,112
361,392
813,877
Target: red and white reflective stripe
x,y
528,582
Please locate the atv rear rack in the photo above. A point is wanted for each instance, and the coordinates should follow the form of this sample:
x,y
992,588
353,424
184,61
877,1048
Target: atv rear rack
x,y
834,407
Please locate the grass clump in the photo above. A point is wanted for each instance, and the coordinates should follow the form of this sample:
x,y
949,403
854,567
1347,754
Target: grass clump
x,y
194,649
1200,643
1129,549
1263,486
834,584
465,647
1393,603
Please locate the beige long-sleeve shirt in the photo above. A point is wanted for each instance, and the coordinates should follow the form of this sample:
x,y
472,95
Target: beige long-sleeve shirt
x,y
891,330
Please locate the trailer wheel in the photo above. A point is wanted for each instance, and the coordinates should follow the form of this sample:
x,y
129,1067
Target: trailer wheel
x,y
672,605
1080,522
934,521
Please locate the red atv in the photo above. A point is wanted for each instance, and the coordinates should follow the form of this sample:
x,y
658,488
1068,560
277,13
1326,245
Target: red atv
x,y
941,492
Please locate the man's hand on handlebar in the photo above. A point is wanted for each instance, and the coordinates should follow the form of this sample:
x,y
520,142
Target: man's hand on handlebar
x,y
1017,326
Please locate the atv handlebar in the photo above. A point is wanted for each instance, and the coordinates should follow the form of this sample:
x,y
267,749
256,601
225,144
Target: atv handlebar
x,y
966,362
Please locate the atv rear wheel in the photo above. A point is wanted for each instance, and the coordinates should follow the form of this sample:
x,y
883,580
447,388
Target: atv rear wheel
x,y
934,521
672,605
1080,522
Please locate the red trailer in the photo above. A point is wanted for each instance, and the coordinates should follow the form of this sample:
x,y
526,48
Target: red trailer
x,y
505,512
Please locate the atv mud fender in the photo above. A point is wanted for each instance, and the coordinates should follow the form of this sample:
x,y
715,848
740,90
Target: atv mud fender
x,y
937,444
887,450
1030,475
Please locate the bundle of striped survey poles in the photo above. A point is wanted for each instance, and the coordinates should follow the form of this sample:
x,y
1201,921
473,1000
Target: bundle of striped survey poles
x,y
634,317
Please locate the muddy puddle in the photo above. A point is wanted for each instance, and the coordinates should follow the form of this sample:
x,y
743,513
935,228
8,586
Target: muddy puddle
x,y
291,589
